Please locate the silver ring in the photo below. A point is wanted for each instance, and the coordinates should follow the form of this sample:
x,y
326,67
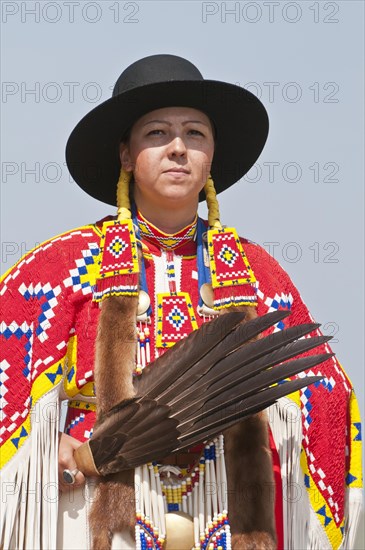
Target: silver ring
x,y
69,476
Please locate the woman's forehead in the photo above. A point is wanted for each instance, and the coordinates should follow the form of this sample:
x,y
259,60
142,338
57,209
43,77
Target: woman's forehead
x,y
173,114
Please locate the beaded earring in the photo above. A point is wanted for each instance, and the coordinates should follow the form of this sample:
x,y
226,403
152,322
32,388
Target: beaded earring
x,y
118,265
232,278
124,212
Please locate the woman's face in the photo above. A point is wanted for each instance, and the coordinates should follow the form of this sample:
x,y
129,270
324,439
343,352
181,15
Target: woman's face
x,y
170,152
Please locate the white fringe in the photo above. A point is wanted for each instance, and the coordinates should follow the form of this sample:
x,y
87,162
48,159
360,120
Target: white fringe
x,y
317,537
286,426
302,529
353,514
206,503
29,483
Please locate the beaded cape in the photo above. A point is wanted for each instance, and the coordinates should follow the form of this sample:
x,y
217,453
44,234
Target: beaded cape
x,y
48,332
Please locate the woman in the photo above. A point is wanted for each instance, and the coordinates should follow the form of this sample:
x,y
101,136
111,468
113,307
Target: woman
x,y
164,132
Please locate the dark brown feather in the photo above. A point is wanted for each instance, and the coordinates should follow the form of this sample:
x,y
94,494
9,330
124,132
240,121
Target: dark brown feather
x,y
209,427
172,364
236,344
245,384
241,379
253,356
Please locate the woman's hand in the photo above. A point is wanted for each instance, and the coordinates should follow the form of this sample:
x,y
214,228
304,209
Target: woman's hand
x,y
66,447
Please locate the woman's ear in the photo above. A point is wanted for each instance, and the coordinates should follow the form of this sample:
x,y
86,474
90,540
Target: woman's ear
x,y
125,158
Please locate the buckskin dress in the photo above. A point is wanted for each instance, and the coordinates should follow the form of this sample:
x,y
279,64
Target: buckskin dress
x,y
48,331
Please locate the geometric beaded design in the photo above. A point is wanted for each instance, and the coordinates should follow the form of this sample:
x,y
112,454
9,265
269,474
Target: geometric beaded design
x,y
228,263
48,297
164,240
117,261
175,318
82,277
118,249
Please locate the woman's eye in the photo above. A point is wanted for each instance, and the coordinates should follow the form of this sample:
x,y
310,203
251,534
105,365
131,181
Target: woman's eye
x,y
196,132
155,132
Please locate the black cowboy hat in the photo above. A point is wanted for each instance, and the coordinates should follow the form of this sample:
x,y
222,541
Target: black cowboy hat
x,y
154,82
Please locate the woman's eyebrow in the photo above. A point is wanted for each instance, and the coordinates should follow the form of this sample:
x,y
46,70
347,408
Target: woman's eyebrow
x,y
195,121
159,121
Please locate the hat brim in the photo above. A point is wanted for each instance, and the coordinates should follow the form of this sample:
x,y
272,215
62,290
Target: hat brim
x,y
92,151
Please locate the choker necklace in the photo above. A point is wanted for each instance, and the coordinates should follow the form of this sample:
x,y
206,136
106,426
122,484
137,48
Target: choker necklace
x,y
163,240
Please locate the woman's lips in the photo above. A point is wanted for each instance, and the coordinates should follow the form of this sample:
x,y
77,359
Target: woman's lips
x,y
177,172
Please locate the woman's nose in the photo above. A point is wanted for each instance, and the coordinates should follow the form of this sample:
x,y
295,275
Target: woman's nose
x,y
177,147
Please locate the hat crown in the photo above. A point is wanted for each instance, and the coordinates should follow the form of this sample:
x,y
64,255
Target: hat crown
x,y
156,68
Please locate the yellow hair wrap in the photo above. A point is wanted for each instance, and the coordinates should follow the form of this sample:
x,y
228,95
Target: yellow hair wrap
x,y
212,203
123,202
